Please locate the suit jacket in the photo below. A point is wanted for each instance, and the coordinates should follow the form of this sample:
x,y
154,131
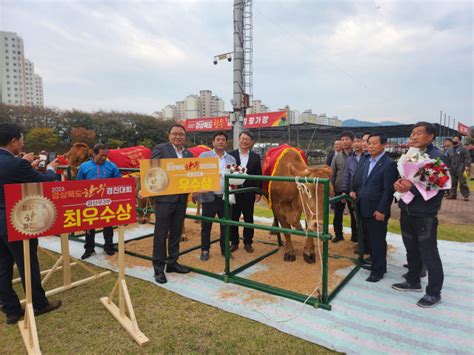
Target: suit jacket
x,y
166,151
376,190
254,167
329,157
16,171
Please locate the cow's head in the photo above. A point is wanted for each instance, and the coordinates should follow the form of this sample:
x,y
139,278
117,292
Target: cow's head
x,y
78,154
313,200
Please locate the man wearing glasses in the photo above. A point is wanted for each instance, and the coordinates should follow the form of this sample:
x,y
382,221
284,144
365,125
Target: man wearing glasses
x,y
169,211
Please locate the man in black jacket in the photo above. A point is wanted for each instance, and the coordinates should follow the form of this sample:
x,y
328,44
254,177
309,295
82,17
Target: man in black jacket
x,y
244,203
15,171
419,226
169,211
374,195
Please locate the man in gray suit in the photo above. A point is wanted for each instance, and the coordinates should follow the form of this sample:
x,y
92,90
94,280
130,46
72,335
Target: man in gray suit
x,y
212,202
169,211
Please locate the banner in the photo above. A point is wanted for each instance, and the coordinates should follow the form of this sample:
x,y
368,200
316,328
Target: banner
x,y
50,208
463,129
266,119
179,176
208,124
254,120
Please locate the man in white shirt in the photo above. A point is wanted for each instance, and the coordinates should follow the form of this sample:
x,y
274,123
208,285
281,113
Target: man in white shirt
x,y
212,202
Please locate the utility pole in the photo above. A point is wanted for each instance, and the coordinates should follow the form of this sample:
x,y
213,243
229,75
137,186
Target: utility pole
x,y
238,101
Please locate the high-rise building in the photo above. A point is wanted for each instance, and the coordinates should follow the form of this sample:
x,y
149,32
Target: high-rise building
x,y
19,85
258,107
195,106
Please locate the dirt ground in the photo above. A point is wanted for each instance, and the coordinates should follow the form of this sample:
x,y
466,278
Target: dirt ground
x,y
297,276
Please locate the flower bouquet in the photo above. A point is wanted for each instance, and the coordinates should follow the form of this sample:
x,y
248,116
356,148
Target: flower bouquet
x,y
236,170
427,175
234,182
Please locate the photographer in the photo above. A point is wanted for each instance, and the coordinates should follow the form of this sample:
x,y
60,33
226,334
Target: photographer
x,y
14,170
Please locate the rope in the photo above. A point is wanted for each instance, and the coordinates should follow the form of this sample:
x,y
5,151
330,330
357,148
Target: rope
x,y
303,189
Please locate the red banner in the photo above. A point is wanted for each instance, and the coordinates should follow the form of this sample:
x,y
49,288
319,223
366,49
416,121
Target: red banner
x,y
42,209
266,119
254,120
463,129
207,124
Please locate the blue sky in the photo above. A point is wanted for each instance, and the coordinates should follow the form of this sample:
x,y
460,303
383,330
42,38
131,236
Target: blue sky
x,y
370,60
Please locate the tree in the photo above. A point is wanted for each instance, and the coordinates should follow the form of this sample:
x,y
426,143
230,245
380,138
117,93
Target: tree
x,y
115,143
82,135
147,142
41,138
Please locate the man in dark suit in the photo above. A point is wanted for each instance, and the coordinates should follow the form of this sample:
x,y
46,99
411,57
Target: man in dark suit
x,y
15,170
374,196
169,211
244,203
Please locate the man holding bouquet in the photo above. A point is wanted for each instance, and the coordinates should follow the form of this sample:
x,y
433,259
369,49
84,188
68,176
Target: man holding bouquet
x,y
419,224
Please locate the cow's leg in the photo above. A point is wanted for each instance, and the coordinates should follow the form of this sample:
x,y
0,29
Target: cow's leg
x,y
198,211
183,233
308,253
290,254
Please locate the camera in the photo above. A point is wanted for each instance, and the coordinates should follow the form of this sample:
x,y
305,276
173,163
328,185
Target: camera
x,y
43,161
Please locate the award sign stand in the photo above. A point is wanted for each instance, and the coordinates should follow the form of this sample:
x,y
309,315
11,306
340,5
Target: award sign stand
x,y
28,324
125,303
65,260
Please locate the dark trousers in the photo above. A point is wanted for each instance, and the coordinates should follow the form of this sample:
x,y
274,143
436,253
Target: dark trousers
x,y
377,235
12,252
337,221
169,217
420,236
244,205
108,233
457,176
211,209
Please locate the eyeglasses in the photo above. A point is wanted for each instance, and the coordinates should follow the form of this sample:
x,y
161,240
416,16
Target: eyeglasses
x,y
174,134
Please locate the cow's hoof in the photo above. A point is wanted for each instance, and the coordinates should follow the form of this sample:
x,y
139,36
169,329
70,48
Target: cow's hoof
x,y
289,257
310,259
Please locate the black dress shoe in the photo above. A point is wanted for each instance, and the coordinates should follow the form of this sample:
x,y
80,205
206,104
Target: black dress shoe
x,y
51,306
337,239
233,247
87,254
109,252
160,277
374,278
248,248
180,269
14,318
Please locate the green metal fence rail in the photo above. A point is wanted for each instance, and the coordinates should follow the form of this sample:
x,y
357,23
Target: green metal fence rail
x,y
231,275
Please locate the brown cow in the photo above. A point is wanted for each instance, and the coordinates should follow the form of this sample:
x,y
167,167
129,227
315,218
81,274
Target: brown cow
x,y
286,202
78,154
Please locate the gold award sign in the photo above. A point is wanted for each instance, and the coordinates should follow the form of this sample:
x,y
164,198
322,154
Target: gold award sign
x,y
179,176
34,214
